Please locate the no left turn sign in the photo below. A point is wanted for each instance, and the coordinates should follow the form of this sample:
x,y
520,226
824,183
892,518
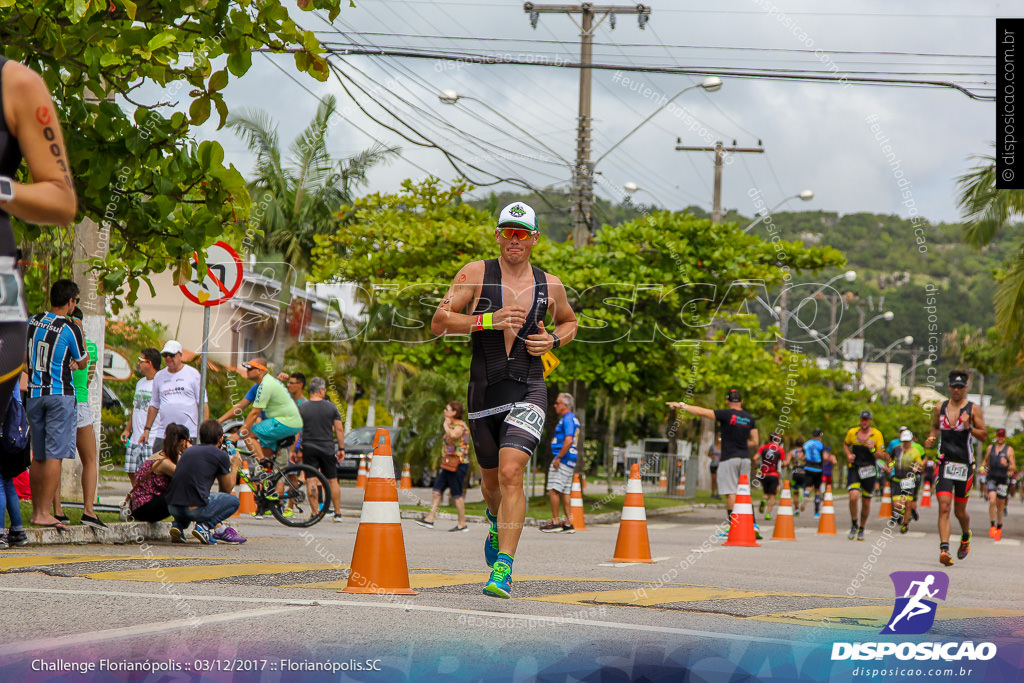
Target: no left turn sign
x,y
222,279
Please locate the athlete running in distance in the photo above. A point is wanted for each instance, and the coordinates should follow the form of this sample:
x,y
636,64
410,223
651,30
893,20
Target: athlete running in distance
x,y
502,303
954,422
1000,468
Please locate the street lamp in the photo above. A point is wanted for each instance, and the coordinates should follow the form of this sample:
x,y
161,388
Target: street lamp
x,y
887,352
632,188
806,196
452,97
710,84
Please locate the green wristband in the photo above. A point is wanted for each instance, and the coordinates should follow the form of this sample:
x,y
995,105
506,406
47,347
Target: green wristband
x,y
488,321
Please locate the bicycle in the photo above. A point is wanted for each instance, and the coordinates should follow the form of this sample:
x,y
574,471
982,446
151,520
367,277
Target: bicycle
x,y
305,505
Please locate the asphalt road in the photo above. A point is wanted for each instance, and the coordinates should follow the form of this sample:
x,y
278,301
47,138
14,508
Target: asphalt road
x,y
269,610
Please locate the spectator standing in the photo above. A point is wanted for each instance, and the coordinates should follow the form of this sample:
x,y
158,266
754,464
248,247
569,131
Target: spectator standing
x,y
12,463
56,347
563,447
715,453
454,467
189,498
85,436
323,438
138,448
176,391
739,435
149,494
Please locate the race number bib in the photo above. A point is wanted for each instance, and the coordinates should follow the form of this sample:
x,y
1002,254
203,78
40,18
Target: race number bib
x,y
908,483
956,471
866,472
527,417
1001,490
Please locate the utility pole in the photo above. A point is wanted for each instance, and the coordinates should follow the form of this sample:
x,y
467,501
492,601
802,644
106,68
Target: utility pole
x,y
719,149
914,353
583,172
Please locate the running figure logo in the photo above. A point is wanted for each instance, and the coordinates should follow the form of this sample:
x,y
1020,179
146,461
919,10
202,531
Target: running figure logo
x,y
913,612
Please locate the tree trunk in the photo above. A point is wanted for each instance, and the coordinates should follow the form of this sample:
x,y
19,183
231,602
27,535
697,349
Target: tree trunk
x,y
371,411
609,444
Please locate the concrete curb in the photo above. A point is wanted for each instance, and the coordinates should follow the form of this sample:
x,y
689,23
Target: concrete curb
x,y
117,533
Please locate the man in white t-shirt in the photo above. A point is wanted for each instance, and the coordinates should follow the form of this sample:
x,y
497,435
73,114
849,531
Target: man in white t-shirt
x,y
175,397
138,449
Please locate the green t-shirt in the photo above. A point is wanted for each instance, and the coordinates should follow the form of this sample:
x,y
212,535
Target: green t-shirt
x,y
273,398
80,378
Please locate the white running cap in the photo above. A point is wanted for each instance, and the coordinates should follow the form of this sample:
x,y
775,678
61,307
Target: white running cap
x,y
520,214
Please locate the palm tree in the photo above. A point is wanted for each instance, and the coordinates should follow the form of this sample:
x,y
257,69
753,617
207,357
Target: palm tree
x,y
298,201
986,211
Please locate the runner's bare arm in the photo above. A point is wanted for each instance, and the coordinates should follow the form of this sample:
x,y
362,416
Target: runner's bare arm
x,y
563,318
449,317
32,119
978,424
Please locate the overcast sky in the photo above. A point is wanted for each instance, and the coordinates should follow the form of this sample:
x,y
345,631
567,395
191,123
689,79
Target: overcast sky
x,y
816,136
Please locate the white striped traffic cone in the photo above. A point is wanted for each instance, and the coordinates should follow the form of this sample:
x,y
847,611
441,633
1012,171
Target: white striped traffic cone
x,y
633,544
576,505
827,523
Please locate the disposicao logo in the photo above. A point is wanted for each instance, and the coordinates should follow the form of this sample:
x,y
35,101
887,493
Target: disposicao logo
x,y
914,614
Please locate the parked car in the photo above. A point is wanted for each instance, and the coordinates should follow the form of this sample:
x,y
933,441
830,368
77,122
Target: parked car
x,y
359,443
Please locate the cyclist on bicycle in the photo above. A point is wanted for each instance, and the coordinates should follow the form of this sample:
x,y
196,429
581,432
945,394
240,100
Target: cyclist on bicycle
x,y
281,416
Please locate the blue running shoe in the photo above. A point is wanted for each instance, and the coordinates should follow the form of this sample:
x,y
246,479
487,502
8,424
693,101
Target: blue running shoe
x,y
500,584
491,542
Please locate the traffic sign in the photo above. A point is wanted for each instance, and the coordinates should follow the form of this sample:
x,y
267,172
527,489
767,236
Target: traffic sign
x,y
222,280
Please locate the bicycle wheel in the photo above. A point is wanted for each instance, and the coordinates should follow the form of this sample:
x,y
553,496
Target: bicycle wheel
x,y
305,499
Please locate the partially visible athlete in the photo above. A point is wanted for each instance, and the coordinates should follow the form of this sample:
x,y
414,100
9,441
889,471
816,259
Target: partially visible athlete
x,y
1001,469
502,303
955,422
906,471
771,456
813,467
28,128
862,445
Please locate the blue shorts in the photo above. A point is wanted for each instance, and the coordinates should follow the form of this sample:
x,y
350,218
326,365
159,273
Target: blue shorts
x,y
270,431
452,480
53,423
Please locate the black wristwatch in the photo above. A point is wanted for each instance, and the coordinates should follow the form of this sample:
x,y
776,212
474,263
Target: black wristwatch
x,y
555,344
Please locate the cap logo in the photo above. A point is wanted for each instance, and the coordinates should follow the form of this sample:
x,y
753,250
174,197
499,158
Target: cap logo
x,y
517,211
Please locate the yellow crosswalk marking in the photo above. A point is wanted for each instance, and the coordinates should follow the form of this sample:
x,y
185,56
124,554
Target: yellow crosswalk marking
x,y
20,561
646,596
871,617
205,573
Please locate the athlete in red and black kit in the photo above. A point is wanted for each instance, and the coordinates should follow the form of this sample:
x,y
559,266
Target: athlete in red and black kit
x,y
509,300
771,455
954,423
29,129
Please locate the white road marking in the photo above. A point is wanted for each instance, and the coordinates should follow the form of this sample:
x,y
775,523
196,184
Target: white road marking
x,y
405,605
137,631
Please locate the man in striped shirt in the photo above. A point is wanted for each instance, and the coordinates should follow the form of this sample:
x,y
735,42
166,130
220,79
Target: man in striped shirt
x,y
56,347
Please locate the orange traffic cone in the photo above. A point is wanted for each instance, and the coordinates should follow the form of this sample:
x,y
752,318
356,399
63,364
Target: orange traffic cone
x,y
633,545
406,478
361,475
885,509
246,499
741,526
663,482
576,504
784,529
926,497
681,486
378,558
827,523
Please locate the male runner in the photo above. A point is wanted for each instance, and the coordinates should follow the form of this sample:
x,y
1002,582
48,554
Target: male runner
x,y
508,299
906,468
1001,467
771,455
813,467
862,445
954,422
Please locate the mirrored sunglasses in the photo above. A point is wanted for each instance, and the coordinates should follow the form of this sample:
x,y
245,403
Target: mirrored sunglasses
x,y
519,233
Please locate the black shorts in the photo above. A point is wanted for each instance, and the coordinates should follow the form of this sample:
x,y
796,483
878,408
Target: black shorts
x,y
906,485
452,480
812,480
999,485
770,485
514,420
797,479
328,464
954,479
865,484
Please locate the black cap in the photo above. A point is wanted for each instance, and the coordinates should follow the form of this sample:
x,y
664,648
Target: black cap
x,y
958,378
816,432
866,415
733,396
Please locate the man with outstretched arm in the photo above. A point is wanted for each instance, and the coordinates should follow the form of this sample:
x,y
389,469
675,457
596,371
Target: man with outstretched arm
x,y
502,303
